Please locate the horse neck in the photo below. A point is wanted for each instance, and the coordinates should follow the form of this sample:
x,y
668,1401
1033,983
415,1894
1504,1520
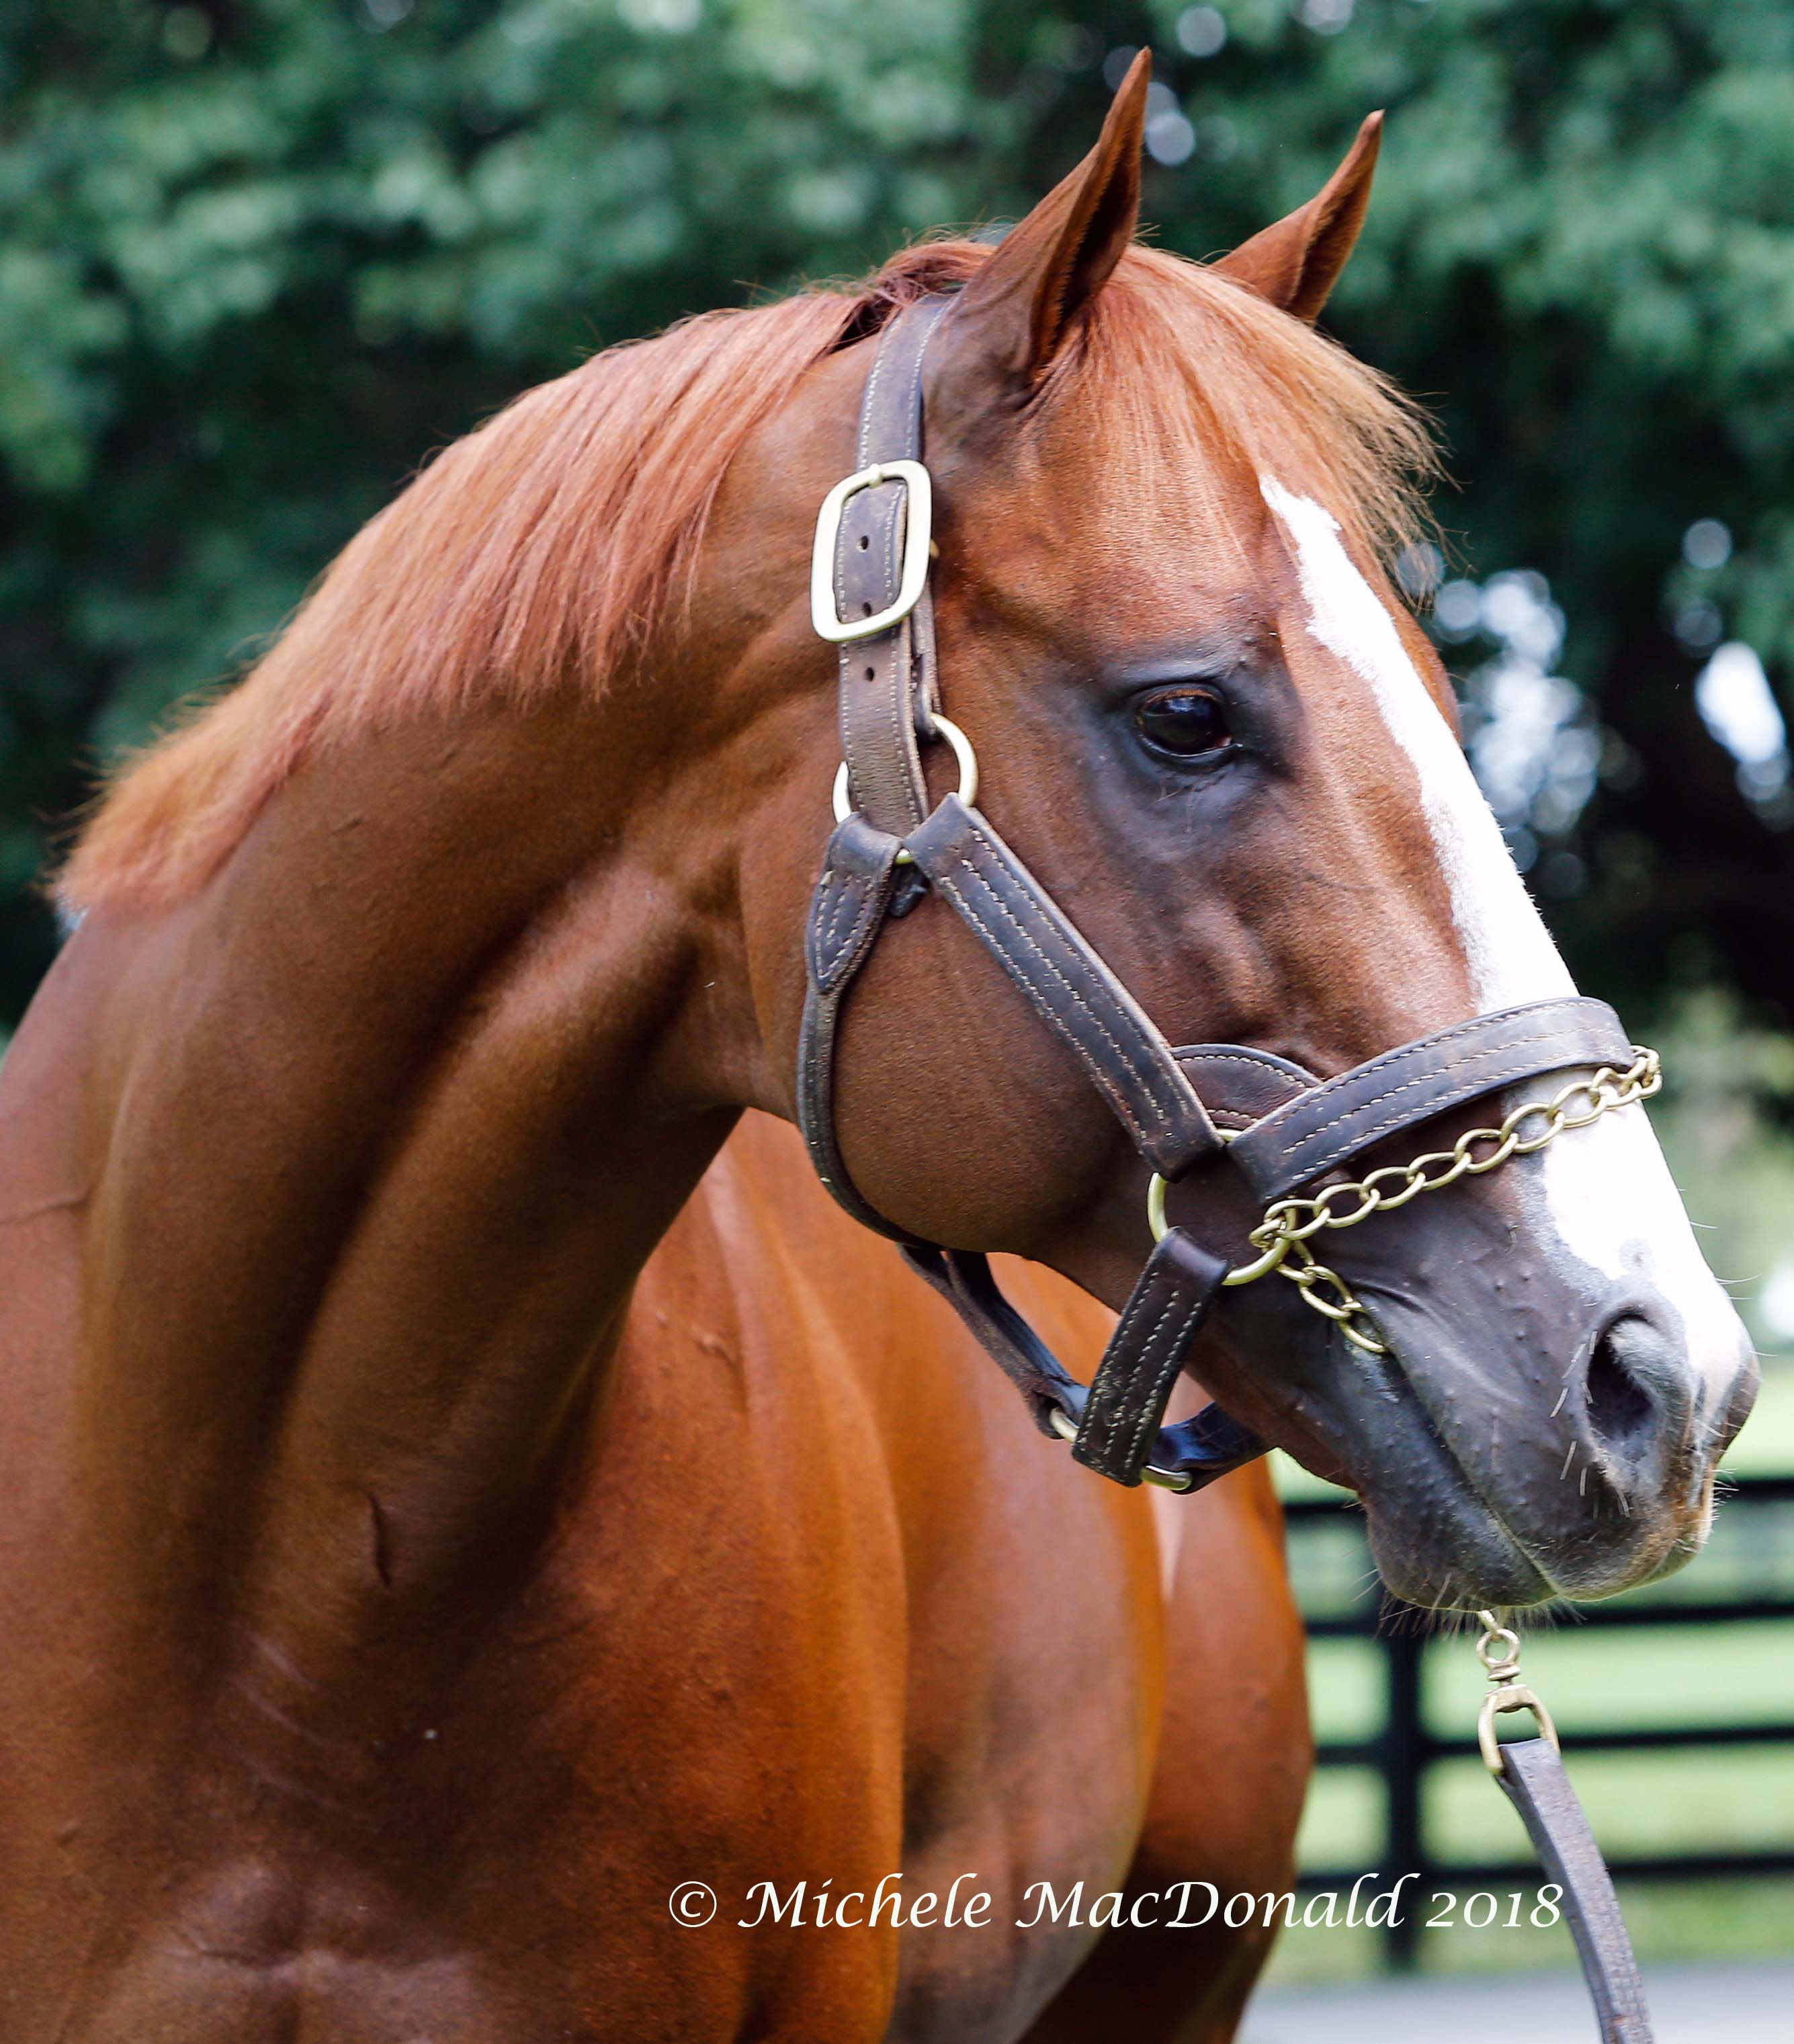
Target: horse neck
x,y
394,1113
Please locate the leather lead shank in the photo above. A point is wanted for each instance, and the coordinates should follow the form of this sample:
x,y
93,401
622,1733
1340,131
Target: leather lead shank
x,y
1533,1776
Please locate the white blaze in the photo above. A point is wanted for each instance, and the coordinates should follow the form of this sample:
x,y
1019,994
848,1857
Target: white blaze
x,y
1608,1188
1509,950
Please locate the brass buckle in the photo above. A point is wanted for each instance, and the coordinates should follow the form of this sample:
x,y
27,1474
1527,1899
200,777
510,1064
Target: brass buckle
x,y
918,527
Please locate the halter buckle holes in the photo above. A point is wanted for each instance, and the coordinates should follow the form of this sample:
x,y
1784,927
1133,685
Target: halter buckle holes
x,y
918,532
963,755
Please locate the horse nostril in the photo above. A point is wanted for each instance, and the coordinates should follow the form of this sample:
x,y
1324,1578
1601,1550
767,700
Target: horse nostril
x,y
1620,1412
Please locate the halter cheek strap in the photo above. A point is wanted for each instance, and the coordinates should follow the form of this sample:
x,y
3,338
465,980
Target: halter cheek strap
x,y
871,596
886,677
888,694
1067,984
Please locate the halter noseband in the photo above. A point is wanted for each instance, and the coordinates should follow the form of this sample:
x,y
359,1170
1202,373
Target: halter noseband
x,y
870,598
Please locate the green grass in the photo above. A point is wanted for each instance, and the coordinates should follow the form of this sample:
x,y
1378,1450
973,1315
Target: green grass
x,y
1639,1804
1691,1675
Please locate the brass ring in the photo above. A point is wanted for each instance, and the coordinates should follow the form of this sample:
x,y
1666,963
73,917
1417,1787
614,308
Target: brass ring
x,y
963,753
1155,1206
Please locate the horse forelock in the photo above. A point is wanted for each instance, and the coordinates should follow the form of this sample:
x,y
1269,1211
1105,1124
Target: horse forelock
x,y
1187,376
556,539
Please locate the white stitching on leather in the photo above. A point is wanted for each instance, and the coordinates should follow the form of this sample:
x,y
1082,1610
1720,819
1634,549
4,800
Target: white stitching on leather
x,y
1404,1055
896,650
1486,1082
1346,1144
1109,1424
1044,908
1258,1064
1161,1383
1077,998
842,903
1106,1082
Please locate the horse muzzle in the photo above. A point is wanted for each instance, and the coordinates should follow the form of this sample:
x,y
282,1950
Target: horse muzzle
x,y
1536,1428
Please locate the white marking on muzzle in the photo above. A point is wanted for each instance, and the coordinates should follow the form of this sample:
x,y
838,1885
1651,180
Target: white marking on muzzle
x,y
1607,1189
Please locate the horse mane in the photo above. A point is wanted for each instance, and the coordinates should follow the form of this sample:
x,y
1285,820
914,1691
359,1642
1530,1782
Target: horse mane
x,y
555,538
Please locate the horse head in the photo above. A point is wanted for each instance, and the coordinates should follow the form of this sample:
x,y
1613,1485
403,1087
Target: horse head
x,y
1207,725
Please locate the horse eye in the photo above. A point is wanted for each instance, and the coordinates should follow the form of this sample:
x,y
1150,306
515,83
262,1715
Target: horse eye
x,y
1187,722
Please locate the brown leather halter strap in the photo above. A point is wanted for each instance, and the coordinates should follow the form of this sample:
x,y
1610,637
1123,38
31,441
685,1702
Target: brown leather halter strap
x,y
891,849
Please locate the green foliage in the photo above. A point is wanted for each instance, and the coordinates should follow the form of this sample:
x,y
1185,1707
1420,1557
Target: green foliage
x,y
262,256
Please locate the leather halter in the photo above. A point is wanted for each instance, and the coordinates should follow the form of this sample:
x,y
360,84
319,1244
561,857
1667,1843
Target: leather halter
x,y
891,848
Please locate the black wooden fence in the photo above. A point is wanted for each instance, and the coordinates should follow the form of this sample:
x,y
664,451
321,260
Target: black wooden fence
x,y
1757,1564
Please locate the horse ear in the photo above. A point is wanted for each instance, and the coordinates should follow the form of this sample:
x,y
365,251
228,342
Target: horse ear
x,y
1014,314
1297,262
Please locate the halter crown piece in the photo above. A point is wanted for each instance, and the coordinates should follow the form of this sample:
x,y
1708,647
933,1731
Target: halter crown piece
x,y
870,598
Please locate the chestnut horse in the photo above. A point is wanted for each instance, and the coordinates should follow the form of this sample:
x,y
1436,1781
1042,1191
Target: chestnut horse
x,y
425,1551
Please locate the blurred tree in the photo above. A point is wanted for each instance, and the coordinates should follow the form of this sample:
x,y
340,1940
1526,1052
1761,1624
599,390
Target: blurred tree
x,y
261,256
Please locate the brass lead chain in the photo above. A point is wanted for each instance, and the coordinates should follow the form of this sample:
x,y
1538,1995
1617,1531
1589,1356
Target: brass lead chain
x,y
1282,1236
